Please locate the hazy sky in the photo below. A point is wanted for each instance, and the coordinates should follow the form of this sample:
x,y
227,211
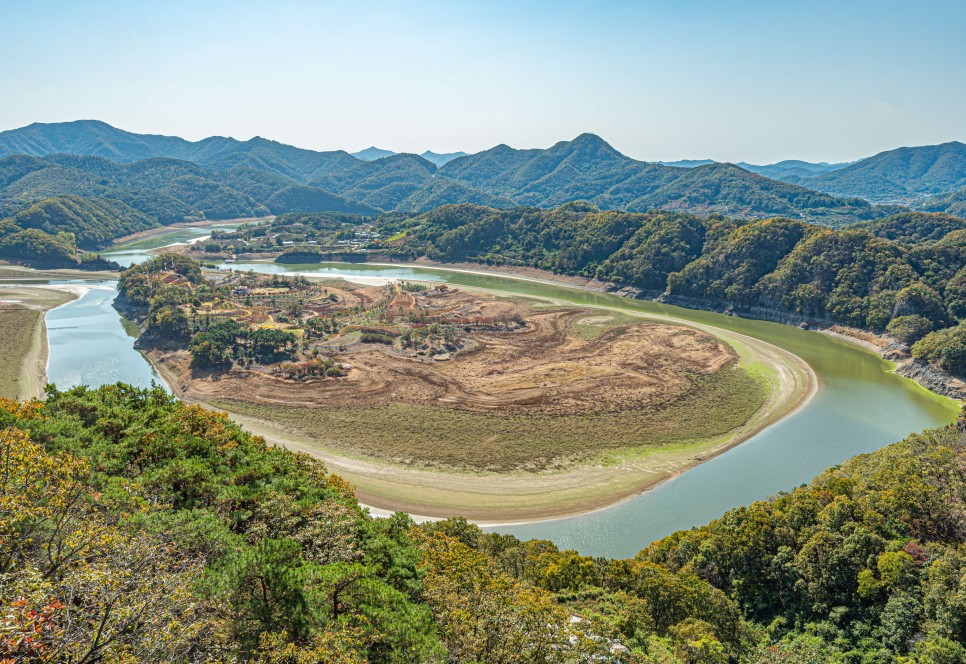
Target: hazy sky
x,y
729,80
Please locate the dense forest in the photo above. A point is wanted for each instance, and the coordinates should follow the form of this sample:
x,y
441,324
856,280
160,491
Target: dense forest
x,y
902,274
50,233
144,181
134,527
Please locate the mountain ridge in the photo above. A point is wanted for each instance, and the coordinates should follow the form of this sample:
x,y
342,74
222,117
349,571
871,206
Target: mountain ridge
x,y
585,168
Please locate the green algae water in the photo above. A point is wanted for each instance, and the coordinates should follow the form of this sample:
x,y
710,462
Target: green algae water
x,y
860,406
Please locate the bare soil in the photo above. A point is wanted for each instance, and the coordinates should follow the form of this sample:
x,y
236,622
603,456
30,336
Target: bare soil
x,y
543,368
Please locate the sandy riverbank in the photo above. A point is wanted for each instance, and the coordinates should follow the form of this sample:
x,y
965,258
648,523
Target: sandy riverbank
x,y
23,309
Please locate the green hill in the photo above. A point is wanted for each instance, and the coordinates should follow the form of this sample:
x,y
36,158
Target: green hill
x,y
587,168
51,232
899,176
951,203
914,227
215,546
169,190
92,221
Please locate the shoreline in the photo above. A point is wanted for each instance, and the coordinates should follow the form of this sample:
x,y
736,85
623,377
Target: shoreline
x,y
32,374
161,230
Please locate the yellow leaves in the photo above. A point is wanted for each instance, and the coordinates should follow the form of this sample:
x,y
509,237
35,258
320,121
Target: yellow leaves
x,y
344,645
342,487
22,410
483,615
35,489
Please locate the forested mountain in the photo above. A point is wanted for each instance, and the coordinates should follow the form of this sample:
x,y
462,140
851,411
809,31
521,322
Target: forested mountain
x,y
92,221
585,168
788,170
914,227
437,158
384,183
94,138
169,190
440,158
372,153
791,170
139,528
50,232
904,274
687,163
903,175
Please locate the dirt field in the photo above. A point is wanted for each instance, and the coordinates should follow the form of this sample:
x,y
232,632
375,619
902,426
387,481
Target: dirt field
x,y
542,369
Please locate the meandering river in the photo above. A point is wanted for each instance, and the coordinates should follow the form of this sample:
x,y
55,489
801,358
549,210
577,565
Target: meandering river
x,y
860,406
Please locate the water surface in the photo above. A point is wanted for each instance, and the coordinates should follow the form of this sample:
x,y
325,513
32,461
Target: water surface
x,y
90,344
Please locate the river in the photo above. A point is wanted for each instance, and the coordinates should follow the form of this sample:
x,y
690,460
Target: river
x,y
860,406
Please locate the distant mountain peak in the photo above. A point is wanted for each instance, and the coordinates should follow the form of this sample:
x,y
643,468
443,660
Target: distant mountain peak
x,y
440,158
372,153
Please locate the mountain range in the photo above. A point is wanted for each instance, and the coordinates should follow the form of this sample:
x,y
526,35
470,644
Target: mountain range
x,y
220,176
438,158
787,171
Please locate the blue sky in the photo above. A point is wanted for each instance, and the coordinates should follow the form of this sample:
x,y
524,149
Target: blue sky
x,y
738,80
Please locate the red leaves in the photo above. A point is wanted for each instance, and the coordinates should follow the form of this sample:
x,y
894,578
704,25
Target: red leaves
x,y
26,633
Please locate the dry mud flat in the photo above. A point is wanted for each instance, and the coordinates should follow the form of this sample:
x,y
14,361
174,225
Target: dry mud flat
x,y
574,412
540,370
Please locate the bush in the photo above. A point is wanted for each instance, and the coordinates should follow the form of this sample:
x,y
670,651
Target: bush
x,y
909,329
944,348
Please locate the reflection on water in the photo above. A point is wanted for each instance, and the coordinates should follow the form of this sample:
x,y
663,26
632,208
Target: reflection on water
x,y
861,405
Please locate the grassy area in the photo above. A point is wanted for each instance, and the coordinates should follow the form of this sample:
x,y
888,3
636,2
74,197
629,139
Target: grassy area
x,y
17,329
594,325
468,441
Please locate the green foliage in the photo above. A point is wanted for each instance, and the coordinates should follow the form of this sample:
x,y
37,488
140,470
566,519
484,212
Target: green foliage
x,y
39,248
909,329
283,178
951,203
93,222
281,545
944,348
914,227
219,545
